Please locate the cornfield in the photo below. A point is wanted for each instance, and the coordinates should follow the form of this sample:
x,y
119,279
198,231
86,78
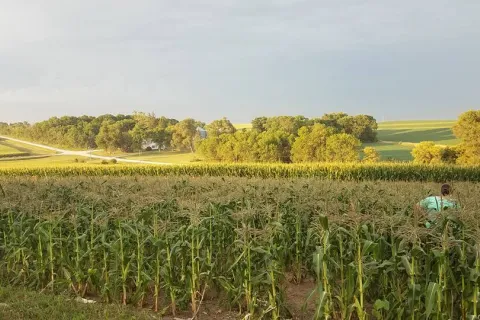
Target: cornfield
x,y
175,244
332,171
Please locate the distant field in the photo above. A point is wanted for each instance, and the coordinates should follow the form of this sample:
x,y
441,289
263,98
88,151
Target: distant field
x,y
417,131
164,156
157,156
239,126
7,150
24,148
46,161
389,150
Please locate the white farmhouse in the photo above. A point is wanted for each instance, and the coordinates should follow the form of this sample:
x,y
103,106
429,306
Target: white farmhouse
x,y
150,144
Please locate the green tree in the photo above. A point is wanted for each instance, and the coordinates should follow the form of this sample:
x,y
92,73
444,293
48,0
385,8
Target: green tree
x,y
218,127
138,134
311,143
370,155
342,147
259,124
274,146
467,128
287,124
209,148
115,135
147,121
184,134
362,127
450,155
427,152
107,136
332,120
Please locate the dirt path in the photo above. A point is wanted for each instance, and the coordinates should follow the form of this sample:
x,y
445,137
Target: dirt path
x,y
87,153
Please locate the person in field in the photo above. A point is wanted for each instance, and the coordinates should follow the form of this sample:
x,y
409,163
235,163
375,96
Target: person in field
x,y
435,204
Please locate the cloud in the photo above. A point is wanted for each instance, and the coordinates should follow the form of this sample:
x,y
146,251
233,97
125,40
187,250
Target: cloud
x,y
220,56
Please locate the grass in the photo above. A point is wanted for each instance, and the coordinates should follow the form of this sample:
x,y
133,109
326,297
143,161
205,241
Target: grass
x,y
6,149
398,138
48,161
178,157
164,156
21,304
389,150
417,131
28,148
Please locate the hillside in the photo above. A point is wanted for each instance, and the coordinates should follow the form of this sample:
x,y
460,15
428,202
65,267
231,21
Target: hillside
x,y
397,138
417,131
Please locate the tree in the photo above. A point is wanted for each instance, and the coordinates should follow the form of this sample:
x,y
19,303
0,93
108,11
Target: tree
x,y
218,127
209,148
427,152
342,147
184,134
259,124
332,120
146,121
467,129
310,145
450,155
237,147
287,124
115,135
107,136
138,134
370,155
274,146
362,127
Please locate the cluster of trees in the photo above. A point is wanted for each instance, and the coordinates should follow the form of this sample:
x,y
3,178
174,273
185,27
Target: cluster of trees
x,y
334,137
467,129
363,127
427,152
121,132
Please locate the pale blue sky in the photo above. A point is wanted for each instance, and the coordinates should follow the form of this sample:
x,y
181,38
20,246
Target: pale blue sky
x,y
239,58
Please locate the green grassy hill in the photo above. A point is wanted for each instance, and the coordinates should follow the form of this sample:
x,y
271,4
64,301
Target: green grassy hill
x,y
418,131
397,138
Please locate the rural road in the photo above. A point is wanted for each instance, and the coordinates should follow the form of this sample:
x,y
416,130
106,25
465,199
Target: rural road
x,y
87,153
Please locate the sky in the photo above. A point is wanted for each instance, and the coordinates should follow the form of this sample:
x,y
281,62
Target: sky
x,y
240,59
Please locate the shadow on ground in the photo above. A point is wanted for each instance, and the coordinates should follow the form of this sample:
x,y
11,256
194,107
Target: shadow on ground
x,y
407,135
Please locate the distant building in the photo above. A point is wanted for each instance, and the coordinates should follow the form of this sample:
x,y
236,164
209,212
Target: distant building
x,y
150,144
202,132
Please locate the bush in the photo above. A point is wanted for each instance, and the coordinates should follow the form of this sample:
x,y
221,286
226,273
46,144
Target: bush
x,y
370,155
450,155
427,152
148,149
113,161
105,162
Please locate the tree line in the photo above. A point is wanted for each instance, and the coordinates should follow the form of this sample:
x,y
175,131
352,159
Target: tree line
x,y
126,133
332,137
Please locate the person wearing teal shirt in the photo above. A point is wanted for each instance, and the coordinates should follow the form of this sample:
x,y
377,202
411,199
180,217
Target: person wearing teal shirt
x,y
435,204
